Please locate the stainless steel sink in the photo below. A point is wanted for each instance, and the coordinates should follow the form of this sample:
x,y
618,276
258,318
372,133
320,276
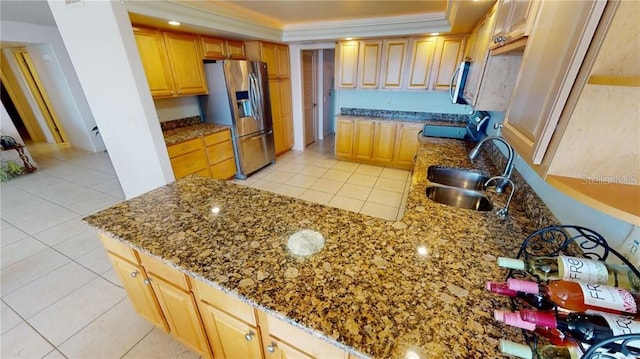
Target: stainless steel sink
x,y
456,177
459,197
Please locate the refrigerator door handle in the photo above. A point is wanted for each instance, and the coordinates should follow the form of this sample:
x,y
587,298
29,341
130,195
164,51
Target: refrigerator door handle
x,y
255,97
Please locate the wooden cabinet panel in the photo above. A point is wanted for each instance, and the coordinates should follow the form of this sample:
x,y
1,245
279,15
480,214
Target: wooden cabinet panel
x,y
363,146
369,64
116,247
502,19
184,147
277,349
230,338
181,312
520,18
406,143
189,163
420,63
347,64
269,56
235,50
212,48
448,56
217,137
219,299
224,169
186,64
282,61
384,141
344,139
293,342
394,54
219,152
155,61
139,291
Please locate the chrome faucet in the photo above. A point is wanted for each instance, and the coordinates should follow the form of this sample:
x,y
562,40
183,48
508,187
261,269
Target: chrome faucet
x,y
508,169
503,212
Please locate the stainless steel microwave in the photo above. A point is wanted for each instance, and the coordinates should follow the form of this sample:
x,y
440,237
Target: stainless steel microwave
x,y
458,80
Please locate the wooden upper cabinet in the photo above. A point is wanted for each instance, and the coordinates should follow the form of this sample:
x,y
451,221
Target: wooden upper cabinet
x,y
394,56
369,64
155,62
502,18
235,50
275,55
515,20
186,63
212,48
448,56
347,64
420,63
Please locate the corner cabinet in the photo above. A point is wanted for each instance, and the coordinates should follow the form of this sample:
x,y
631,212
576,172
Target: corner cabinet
x,y
277,58
210,322
398,64
172,62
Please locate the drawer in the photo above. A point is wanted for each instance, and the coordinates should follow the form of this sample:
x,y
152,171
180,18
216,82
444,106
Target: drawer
x,y
164,271
225,302
219,152
184,147
118,248
188,164
225,169
217,137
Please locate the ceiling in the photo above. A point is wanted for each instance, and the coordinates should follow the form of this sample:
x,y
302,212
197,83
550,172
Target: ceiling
x,y
288,21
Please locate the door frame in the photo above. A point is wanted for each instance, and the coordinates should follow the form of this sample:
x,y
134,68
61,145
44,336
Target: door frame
x,y
314,95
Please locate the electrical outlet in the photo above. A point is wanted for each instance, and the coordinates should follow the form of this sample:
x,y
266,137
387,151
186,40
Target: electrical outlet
x,y
631,247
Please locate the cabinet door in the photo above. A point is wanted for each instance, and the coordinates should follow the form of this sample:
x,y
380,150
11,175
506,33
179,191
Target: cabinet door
x,y
420,63
363,144
479,56
212,48
139,291
230,337
186,64
287,113
384,141
520,18
277,349
155,61
235,50
369,64
344,139
181,313
502,20
268,52
347,66
282,58
189,163
394,54
406,143
448,56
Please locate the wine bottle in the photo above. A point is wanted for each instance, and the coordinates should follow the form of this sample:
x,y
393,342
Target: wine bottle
x,y
580,297
546,352
576,269
514,319
537,300
587,328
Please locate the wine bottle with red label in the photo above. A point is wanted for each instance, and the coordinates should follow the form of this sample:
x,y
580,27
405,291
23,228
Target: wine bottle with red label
x,y
536,300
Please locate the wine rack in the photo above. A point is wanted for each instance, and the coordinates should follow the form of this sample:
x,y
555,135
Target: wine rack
x,y
574,241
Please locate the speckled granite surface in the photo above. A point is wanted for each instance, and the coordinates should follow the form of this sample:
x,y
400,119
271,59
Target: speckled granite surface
x,y
181,134
406,116
378,288
181,122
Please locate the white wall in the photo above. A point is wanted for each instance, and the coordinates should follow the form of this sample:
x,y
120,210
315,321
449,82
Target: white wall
x,y
100,42
54,64
328,69
170,109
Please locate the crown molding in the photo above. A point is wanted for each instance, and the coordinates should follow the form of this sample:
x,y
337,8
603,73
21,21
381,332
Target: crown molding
x,y
414,24
205,18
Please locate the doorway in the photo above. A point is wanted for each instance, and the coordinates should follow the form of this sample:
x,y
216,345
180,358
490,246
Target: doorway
x,y
31,78
309,97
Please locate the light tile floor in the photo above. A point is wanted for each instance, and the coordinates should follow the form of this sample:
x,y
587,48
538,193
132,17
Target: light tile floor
x,y
59,294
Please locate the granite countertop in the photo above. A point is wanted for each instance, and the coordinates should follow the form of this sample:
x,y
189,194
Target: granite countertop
x,y
378,288
185,133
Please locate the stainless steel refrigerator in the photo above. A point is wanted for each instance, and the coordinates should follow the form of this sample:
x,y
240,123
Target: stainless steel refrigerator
x,y
239,97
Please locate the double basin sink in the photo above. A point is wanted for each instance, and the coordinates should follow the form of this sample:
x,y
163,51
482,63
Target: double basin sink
x,y
462,188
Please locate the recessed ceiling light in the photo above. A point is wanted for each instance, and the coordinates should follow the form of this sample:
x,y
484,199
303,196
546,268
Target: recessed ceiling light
x,y
349,38
435,33
174,23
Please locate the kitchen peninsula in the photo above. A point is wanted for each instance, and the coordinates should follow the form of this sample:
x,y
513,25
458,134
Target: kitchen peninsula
x,y
380,289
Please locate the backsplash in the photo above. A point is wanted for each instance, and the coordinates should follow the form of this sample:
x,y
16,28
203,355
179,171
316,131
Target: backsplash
x,y
406,115
182,122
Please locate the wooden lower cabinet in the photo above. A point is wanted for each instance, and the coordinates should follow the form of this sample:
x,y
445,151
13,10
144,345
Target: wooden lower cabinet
x,y
210,322
384,143
208,156
140,293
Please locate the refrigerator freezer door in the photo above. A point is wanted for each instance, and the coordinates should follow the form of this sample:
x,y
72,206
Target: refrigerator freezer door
x,y
246,97
254,152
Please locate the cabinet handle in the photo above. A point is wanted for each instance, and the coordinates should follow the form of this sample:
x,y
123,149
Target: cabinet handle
x,y
180,92
249,336
147,281
134,274
271,348
172,92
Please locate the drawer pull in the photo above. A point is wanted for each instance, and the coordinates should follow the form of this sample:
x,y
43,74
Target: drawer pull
x,y
271,348
249,336
134,274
